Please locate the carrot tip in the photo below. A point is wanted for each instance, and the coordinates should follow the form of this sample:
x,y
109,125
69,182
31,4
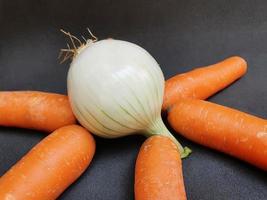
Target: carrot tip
x,y
186,153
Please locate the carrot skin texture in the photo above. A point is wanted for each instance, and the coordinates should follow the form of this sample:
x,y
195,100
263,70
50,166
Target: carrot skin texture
x,y
203,82
35,110
227,130
158,171
50,167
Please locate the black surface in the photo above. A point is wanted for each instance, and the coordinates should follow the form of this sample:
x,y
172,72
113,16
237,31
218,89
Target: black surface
x,y
180,35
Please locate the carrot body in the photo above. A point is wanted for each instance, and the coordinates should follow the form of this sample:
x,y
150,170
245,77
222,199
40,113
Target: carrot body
x,y
227,130
35,110
158,171
203,82
50,167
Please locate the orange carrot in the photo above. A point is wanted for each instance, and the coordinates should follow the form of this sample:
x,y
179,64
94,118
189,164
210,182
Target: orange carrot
x,y
35,110
227,130
203,82
158,171
50,167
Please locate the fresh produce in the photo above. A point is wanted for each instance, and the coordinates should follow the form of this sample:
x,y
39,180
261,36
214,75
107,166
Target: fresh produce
x,y
116,89
50,167
35,110
158,171
203,82
227,130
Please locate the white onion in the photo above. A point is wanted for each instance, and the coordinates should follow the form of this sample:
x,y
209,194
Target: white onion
x,y
116,89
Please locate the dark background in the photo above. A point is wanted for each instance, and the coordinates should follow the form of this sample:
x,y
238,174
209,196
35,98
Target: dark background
x,y
181,35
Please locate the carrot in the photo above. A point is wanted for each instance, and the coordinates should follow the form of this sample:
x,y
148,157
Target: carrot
x,y
228,130
203,82
35,110
50,167
158,171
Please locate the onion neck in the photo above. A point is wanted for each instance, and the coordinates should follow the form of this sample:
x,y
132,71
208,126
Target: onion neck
x,y
159,128
84,46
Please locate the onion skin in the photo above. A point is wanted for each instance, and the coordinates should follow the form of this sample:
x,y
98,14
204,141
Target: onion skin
x,y
116,89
